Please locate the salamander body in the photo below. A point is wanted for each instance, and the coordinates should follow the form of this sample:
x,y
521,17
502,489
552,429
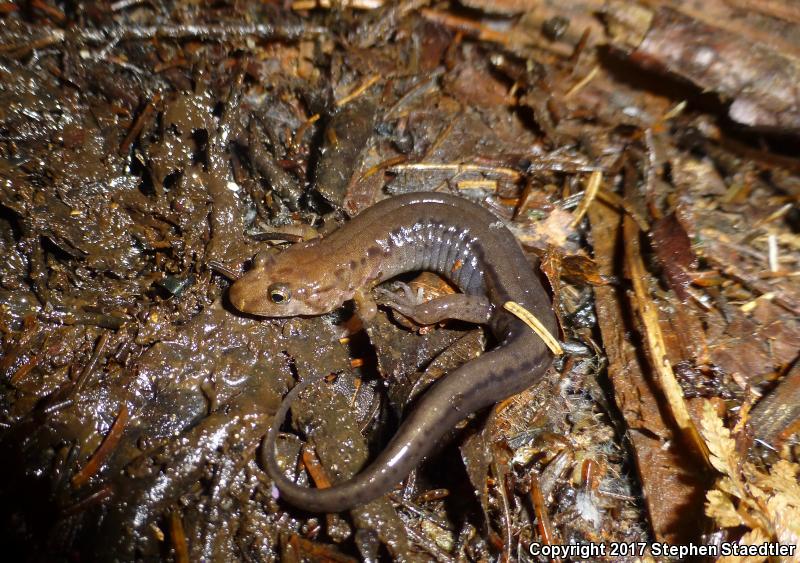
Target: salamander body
x,y
442,233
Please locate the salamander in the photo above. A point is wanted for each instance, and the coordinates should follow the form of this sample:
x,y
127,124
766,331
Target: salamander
x,y
442,233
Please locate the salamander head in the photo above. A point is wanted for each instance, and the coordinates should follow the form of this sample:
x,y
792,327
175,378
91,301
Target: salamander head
x,y
293,282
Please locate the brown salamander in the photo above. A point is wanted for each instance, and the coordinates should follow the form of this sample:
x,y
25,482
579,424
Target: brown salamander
x,y
445,234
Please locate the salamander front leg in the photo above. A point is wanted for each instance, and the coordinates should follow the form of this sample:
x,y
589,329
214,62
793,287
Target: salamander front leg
x,y
366,307
457,306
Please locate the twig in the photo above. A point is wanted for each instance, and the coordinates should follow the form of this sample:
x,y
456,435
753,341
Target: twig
x,y
582,82
358,91
201,31
51,11
91,365
139,124
654,339
459,168
178,536
592,187
104,451
301,131
536,325
543,523
301,5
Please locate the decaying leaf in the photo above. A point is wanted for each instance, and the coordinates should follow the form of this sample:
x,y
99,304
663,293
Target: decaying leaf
x,y
718,438
767,503
753,537
721,509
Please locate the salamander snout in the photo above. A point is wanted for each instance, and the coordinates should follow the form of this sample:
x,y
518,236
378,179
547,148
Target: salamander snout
x,y
238,296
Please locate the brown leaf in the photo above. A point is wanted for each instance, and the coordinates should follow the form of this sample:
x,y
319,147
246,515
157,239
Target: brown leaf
x,y
674,253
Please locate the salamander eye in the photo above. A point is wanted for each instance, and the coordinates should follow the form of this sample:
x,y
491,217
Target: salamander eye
x,y
279,293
